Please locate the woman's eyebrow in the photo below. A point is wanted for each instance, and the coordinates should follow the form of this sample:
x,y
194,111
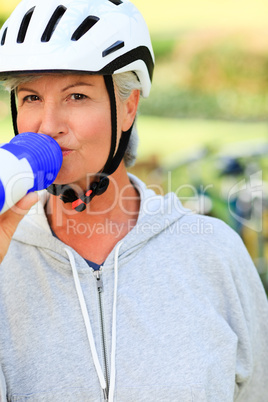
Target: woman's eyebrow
x,y
25,89
77,84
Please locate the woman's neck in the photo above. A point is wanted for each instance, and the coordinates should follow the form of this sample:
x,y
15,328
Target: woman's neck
x,y
107,219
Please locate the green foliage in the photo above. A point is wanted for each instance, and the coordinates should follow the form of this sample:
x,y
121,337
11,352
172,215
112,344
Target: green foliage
x,y
193,103
163,47
210,74
225,67
181,103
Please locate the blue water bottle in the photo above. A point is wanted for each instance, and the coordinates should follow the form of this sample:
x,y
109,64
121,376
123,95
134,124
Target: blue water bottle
x,y
29,162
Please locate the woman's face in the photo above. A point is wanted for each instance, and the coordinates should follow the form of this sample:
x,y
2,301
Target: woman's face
x,y
75,111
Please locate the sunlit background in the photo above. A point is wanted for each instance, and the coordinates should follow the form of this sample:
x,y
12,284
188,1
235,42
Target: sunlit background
x,y
203,131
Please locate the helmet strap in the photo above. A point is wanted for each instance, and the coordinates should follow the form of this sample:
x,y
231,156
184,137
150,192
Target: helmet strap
x,y
14,112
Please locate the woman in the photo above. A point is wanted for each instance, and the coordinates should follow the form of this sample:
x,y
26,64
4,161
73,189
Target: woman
x,y
108,291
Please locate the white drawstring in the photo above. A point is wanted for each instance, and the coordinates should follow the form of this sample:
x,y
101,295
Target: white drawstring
x,y
88,325
112,379
86,320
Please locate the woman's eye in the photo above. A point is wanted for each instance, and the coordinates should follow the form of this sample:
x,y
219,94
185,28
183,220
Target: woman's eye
x,y
31,98
78,96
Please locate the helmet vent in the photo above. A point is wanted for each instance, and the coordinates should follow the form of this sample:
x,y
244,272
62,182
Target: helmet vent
x,y
53,22
113,48
24,25
4,37
116,2
83,28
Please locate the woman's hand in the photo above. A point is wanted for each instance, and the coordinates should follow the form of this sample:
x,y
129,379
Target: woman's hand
x,y
10,220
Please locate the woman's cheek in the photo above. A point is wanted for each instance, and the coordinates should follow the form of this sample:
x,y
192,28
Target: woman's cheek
x,y
27,122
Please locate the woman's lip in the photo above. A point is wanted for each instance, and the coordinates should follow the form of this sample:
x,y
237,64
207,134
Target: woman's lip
x,y
66,151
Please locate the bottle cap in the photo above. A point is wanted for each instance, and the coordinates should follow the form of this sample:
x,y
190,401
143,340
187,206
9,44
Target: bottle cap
x,y
43,154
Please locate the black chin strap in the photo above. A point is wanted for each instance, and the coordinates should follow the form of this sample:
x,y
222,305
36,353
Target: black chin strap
x,y
14,112
68,195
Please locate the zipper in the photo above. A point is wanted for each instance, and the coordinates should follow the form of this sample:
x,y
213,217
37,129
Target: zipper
x,y
99,282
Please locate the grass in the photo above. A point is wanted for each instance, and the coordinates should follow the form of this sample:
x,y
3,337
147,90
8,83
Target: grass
x,y
166,137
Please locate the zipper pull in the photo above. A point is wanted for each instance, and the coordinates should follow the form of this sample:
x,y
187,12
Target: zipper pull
x,y
105,393
99,281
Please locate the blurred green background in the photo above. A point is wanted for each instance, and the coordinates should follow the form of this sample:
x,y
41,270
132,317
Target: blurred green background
x,y
203,130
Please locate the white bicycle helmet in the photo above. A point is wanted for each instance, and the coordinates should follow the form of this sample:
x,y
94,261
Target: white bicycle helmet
x,y
102,37
95,36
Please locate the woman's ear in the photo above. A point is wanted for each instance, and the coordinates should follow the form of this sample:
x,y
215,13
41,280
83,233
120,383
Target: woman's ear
x,y
130,109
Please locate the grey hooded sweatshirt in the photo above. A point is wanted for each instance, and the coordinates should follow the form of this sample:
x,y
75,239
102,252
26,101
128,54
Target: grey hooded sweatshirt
x,y
177,313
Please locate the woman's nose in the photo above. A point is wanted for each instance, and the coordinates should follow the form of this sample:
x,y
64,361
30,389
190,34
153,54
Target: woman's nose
x,y
53,120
